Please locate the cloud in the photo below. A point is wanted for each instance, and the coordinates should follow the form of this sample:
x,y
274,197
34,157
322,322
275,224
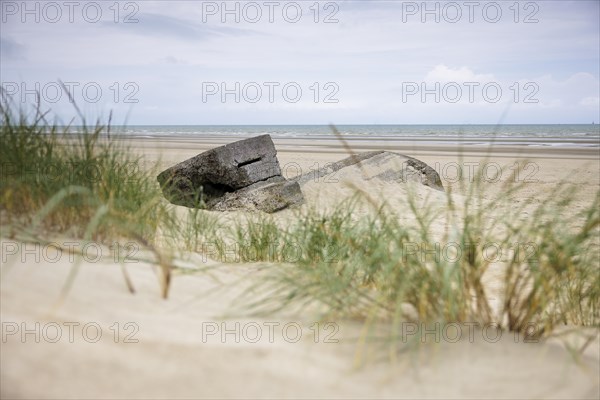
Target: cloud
x,y
590,102
177,28
442,73
170,52
173,60
11,49
579,89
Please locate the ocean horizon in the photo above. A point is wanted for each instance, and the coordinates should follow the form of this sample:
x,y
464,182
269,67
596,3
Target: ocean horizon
x,y
580,135
396,130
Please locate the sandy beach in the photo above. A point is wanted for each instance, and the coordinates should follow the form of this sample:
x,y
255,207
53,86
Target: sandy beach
x,y
102,341
299,199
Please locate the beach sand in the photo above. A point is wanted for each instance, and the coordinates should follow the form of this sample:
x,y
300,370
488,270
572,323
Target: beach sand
x,y
189,346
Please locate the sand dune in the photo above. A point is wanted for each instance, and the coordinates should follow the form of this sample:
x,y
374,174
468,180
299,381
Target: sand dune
x,y
171,348
189,345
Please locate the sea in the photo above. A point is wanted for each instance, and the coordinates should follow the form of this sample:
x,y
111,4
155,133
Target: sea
x,y
581,135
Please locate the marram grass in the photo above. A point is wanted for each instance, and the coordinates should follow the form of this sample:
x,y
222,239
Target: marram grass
x,y
84,185
333,263
38,160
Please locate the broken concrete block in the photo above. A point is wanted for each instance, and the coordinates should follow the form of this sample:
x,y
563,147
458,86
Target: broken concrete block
x,y
385,165
212,179
272,195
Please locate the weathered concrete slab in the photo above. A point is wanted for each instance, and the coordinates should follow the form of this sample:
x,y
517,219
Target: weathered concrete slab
x,y
272,195
210,178
385,165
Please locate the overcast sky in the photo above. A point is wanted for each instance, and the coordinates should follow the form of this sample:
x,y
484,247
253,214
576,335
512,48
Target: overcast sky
x,y
343,62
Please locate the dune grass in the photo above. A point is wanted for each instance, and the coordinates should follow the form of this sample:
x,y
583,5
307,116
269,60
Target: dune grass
x,y
372,268
84,185
379,269
39,159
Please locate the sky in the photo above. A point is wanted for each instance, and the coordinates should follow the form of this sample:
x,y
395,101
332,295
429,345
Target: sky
x,y
305,62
